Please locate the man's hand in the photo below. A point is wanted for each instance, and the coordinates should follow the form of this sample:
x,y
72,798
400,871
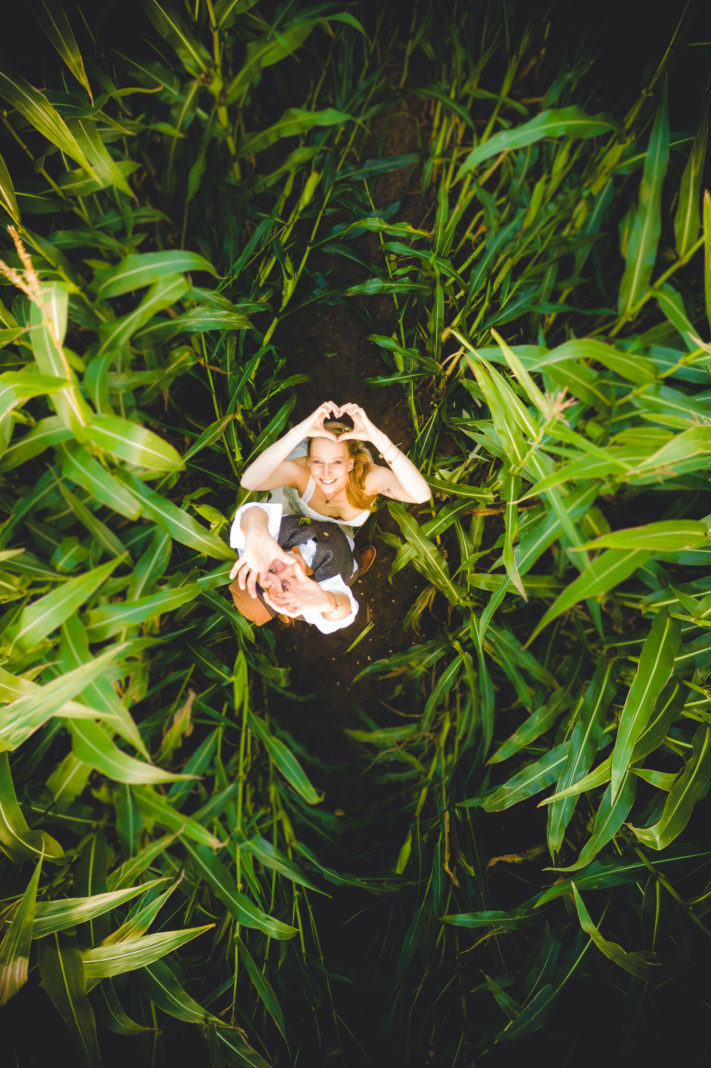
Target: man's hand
x,y
260,550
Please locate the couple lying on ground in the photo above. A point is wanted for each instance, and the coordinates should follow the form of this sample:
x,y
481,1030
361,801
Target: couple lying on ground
x,y
323,483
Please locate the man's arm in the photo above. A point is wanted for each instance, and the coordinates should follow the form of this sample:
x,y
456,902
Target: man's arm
x,y
251,532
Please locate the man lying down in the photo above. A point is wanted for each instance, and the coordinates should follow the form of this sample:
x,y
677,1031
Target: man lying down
x,y
292,566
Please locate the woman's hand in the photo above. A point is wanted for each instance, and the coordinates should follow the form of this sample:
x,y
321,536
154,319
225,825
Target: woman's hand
x,y
312,426
363,428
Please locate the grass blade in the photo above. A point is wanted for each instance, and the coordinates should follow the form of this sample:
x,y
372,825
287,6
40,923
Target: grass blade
x,y
637,964
689,788
46,614
556,122
93,746
15,946
687,220
62,975
55,25
284,761
647,222
53,916
656,664
100,962
16,838
222,883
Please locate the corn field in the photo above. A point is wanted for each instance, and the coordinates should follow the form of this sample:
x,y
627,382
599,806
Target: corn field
x,y
503,853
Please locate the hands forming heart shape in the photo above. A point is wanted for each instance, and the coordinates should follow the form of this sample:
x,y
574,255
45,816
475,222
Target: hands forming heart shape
x,y
313,426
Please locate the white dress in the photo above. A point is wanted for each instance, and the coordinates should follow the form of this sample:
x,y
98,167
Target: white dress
x,y
295,504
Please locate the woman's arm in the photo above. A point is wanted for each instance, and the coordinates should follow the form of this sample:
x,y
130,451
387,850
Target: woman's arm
x,y
272,468
400,479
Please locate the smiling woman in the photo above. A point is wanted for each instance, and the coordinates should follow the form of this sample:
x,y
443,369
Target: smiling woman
x,y
322,468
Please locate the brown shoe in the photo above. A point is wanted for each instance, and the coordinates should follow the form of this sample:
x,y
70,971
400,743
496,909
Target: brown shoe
x,y
367,555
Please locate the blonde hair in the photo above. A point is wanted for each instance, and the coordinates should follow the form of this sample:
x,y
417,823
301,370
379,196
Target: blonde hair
x,y
362,463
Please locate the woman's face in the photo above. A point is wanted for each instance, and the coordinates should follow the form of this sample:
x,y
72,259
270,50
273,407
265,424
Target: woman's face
x,y
329,464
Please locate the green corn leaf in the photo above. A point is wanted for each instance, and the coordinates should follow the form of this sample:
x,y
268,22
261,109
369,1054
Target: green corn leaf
x,y
99,693
109,619
92,745
291,123
16,838
198,320
628,365
48,323
263,987
141,918
608,819
32,705
154,807
67,781
668,706
145,268
533,727
511,491
162,294
284,761
707,254
661,780
222,883
687,220
682,448
53,916
62,974
604,573
114,1015
34,106
164,990
123,876
266,51
602,876
671,304
150,565
55,24
134,443
527,782
673,535
79,466
191,52
177,522
46,614
689,788
489,918
238,1052
556,122
104,167
226,11
597,777
43,435
8,200
584,743
268,855
100,962
647,222
637,964
16,387
15,946
656,664
428,559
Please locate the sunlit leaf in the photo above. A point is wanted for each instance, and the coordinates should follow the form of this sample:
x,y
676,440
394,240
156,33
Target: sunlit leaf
x,y
15,946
